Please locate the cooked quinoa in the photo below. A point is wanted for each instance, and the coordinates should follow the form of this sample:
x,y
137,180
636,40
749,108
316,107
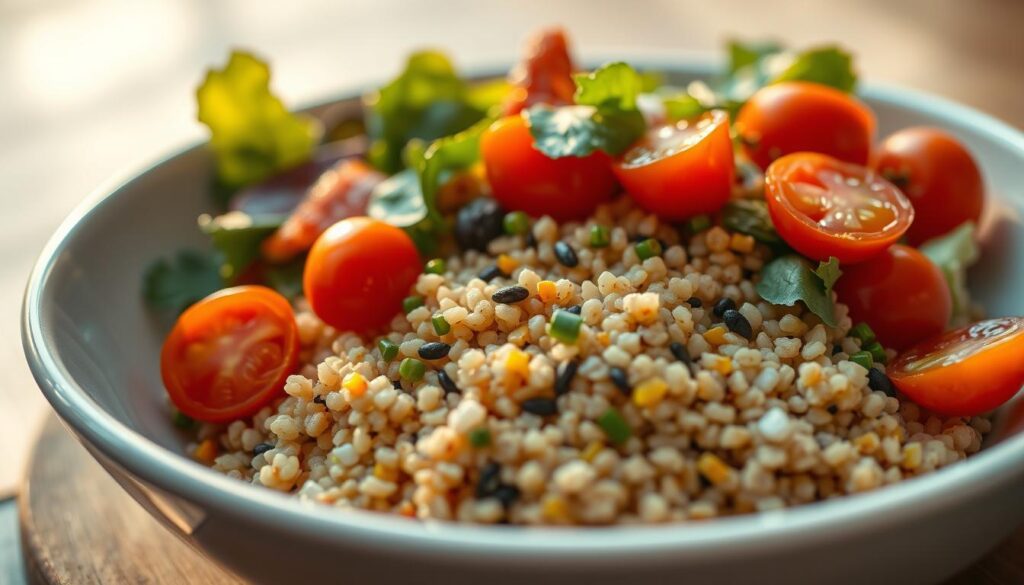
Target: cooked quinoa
x,y
661,411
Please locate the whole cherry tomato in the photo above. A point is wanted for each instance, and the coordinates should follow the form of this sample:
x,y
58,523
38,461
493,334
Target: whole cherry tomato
x,y
900,293
964,372
799,116
523,178
681,169
938,175
823,207
358,272
229,354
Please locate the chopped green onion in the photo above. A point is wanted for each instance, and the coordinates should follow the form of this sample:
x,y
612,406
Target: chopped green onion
x,y
516,223
599,237
698,224
877,351
614,426
411,369
409,304
441,325
565,326
863,358
435,266
863,332
648,248
182,420
388,349
480,437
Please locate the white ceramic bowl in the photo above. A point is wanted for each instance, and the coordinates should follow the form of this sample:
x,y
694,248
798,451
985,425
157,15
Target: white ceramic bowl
x,y
94,352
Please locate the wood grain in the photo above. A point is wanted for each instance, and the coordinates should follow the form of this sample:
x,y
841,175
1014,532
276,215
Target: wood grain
x,y
79,527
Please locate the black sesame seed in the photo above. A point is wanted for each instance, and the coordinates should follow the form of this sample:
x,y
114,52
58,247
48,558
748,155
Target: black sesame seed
x,y
510,294
879,382
507,495
489,480
620,379
566,255
680,352
575,309
319,400
723,305
531,240
397,384
738,324
832,409
490,273
566,372
695,302
837,348
447,384
540,406
262,448
434,350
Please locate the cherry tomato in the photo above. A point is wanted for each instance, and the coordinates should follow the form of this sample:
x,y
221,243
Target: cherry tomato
x,y
544,76
523,178
681,169
900,293
339,193
824,207
798,116
937,174
964,372
229,354
358,272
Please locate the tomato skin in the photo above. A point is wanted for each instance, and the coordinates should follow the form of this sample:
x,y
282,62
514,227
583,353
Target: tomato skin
x,y
965,372
211,335
523,178
358,272
787,176
939,176
900,293
544,76
799,116
697,179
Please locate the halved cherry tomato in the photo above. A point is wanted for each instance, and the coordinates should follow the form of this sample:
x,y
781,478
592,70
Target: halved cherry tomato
x,y
964,372
900,293
358,272
824,207
681,169
340,192
544,76
523,178
937,174
799,116
229,354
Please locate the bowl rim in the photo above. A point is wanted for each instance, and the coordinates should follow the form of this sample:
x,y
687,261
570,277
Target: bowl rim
x,y
761,532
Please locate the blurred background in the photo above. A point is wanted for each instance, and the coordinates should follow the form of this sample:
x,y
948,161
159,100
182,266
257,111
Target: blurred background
x,y
91,89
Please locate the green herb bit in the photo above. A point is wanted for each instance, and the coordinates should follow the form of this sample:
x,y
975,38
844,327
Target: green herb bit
x,y
182,420
388,349
412,369
480,437
863,332
409,304
441,325
565,326
698,224
435,266
516,223
648,248
863,358
876,350
599,237
614,426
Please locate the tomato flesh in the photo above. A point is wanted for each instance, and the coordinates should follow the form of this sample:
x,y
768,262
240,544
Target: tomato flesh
x,y
358,272
965,372
824,207
681,169
229,354
544,76
523,178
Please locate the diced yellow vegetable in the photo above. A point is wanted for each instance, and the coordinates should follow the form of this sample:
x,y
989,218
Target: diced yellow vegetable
x,y
742,243
206,452
650,392
518,363
591,451
507,263
555,508
715,335
355,383
546,291
714,469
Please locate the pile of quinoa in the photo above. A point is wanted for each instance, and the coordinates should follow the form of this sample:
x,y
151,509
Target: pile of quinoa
x,y
662,410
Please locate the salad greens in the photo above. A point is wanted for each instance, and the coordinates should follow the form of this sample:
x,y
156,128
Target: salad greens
x,y
173,285
953,253
791,278
750,216
237,236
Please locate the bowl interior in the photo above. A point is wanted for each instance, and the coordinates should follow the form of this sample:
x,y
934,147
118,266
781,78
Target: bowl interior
x,y
92,320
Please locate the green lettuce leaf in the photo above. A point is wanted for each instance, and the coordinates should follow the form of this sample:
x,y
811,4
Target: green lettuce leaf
x,y
172,285
953,253
791,278
238,236
251,133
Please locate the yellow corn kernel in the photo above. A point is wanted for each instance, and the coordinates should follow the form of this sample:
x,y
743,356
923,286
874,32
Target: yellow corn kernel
x,y
715,335
507,263
867,443
385,473
546,291
355,383
742,243
555,508
518,363
650,392
912,454
206,452
714,469
722,365
591,451
604,338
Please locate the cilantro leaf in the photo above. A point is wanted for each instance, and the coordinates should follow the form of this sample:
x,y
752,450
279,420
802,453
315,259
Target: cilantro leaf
x,y
251,133
790,278
683,106
953,253
238,236
744,54
750,216
175,284
613,86
829,66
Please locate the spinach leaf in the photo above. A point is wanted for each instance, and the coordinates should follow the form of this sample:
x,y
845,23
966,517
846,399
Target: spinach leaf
x,y
286,278
175,284
251,133
238,236
750,216
953,253
790,278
